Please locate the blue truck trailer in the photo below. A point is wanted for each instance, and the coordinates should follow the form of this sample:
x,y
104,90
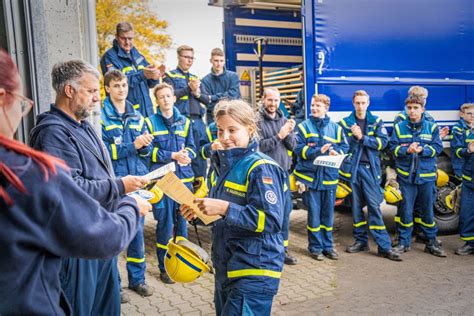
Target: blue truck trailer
x,y
381,46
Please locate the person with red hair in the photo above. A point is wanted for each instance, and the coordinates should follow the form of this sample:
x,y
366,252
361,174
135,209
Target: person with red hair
x,y
45,215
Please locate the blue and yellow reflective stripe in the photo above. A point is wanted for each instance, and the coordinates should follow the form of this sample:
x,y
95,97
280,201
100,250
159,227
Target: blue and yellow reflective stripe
x,y
136,106
285,243
303,153
192,151
235,186
376,227
186,180
113,126
157,133
184,98
184,132
302,176
457,152
140,67
347,175
113,148
202,153
326,228
399,221
339,136
397,129
313,229
127,69
253,272
371,133
465,177
175,75
428,175
135,260
403,172
434,127
359,224
432,149
209,135
467,238
379,141
154,154
420,221
150,126
396,150
330,182
261,221
158,245
343,122
138,126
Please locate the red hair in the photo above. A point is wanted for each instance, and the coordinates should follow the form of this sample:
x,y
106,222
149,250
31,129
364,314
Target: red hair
x,y
46,162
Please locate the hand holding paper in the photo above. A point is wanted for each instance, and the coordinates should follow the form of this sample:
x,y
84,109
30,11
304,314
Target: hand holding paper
x,y
330,161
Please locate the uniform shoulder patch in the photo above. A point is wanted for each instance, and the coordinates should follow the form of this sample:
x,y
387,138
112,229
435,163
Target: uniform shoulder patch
x,y
267,180
271,197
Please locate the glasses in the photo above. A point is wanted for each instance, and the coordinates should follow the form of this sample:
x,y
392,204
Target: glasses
x,y
187,57
25,103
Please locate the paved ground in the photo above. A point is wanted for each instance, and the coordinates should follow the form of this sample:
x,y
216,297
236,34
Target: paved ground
x,y
356,284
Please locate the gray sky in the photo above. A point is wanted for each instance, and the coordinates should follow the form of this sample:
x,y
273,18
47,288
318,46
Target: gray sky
x,y
194,23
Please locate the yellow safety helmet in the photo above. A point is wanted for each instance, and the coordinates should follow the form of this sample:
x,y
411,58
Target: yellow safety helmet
x,y
200,187
185,261
392,195
157,194
293,186
342,190
442,178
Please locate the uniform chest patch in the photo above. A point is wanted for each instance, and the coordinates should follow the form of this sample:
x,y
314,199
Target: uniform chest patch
x,y
271,197
117,140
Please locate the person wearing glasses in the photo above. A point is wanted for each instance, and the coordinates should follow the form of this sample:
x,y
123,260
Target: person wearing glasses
x,y
187,89
46,216
91,286
140,74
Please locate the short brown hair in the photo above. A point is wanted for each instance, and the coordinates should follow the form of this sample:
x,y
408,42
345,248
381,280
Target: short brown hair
x,y
217,52
322,98
113,74
265,90
415,99
467,106
123,27
183,48
360,93
419,91
240,111
162,86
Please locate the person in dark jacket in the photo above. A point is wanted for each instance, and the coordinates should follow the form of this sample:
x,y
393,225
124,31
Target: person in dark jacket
x,y
45,215
141,75
247,244
91,286
277,140
128,142
466,122
219,84
367,138
187,89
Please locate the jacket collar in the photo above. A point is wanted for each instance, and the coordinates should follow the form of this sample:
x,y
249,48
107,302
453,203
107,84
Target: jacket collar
x,y
370,118
111,112
218,75
227,158
121,52
320,122
178,118
266,116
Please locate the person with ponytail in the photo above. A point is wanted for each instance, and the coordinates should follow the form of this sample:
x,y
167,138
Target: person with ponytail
x,y
45,215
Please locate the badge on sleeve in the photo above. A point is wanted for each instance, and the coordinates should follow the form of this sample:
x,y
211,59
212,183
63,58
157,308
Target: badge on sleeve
x,y
271,197
267,180
384,130
117,140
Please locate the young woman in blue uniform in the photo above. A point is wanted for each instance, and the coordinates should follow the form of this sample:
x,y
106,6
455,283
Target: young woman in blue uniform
x,y
45,215
173,141
247,251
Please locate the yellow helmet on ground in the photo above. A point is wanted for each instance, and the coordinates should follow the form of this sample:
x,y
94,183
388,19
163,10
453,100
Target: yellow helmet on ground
x,y
200,187
157,194
392,195
442,178
342,190
293,186
185,261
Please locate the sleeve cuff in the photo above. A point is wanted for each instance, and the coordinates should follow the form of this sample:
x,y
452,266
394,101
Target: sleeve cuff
x,y
232,215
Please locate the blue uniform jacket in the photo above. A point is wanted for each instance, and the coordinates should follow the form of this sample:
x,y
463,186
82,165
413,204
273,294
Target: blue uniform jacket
x,y
59,135
298,108
458,134
375,140
118,133
211,132
223,86
247,243
459,145
416,168
53,219
132,66
186,102
312,134
402,116
169,139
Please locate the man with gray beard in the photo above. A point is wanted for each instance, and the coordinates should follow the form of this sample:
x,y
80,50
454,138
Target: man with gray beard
x,y
91,286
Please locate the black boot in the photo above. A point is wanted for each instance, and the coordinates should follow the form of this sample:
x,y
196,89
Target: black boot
x,y
465,250
390,255
434,248
290,260
357,247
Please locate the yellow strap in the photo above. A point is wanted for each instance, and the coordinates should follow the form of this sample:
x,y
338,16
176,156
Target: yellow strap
x,y
150,126
375,227
359,224
399,221
314,229
113,126
135,260
154,154
253,272
331,182
419,221
114,151
403,172
302,176
261,221
303,153
161,246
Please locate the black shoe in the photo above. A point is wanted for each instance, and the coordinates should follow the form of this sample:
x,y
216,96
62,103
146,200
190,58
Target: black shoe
x,y
422,239
357,247
433,247
165,278
401,249
331,254
465,250
142,289
290,260
390,255
317,256
124,298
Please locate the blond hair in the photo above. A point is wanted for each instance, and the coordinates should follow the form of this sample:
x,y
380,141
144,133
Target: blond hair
x,y
183,48
322,98
217,52
241,112
360,93
162,86
466,106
